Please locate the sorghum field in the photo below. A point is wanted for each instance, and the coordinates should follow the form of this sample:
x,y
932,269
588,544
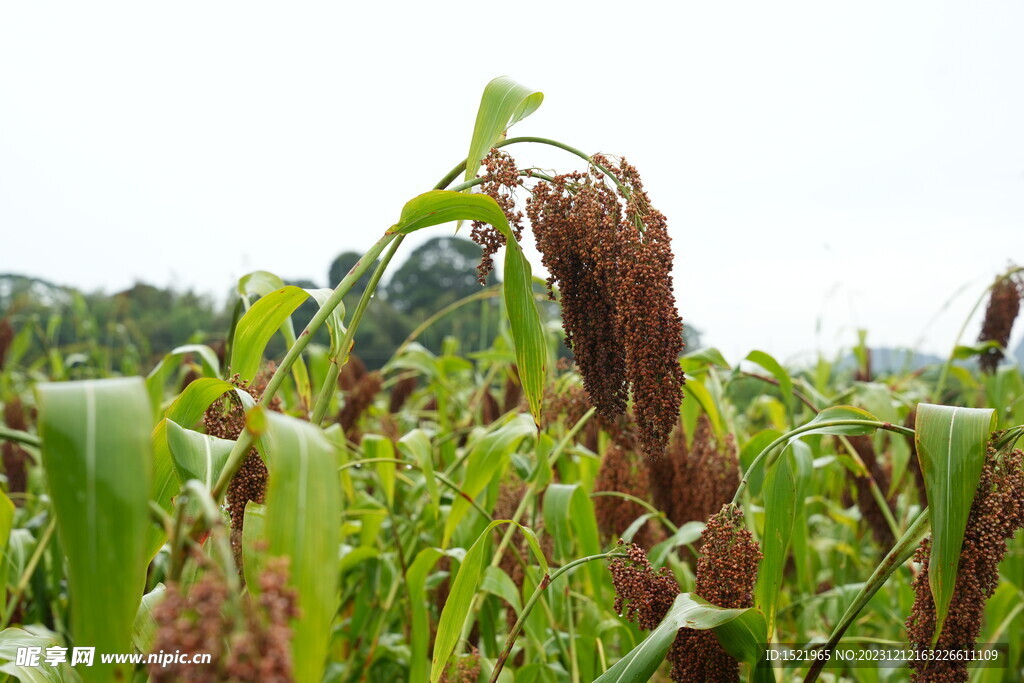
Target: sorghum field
x,y
573,497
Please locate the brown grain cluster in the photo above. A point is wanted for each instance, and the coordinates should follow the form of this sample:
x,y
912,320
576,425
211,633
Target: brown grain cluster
x,y
225,419
691,484
642,595
623,471
466,669
726,574
866,503
1002,310
997,513
357,400
609,255
501,178
248,639
15,458
6,337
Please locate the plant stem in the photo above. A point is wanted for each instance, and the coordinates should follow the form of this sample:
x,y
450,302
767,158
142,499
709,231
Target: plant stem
x,y
809,427
327,390
899,554
245,439
528,607
18,436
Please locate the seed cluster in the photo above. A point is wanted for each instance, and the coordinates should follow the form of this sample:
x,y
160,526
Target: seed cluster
x,y
622,470
15,458
612,264
225,419
357,400
869,507
997,513
1002,310
6,337
248,640
501,178
642,595
726,573
691,484
400,393
465,670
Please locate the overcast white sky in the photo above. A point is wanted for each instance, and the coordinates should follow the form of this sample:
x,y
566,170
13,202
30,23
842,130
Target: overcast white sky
x,y
853,163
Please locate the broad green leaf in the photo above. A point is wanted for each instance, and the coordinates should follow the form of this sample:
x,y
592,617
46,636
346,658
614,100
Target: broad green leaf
x,y
156,379
842,413
699,393
96,451
416,446
570,520
144,629
303,511
335,322
951,444
741,632
460,598
377,446
486,459
497,582
441,206
258,325
779,373
503,104
258,283
780,503
6,524
685,535
12,639
197,456
707,356
415,580
254,540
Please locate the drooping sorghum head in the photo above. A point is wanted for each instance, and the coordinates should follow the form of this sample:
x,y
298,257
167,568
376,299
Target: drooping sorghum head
x,y
501,178
997,512
608,252
642,595
726,574
1002,310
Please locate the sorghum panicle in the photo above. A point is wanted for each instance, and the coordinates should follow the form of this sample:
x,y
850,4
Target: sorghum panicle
x,y
501,178
726,574
642,595
997,512
1002,310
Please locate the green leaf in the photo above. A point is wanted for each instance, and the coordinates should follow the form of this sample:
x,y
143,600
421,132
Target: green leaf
x,y
254,539
750,451
486,459
460,598
144,629
741,632
377,446
303,511
842,413
780,487
570,520
441,206
96,452
497,582
6,524
197,456
951,444
416,446
415,581
168,364
258,325
684,535
779,373
698,392
335,322
12,639
503,104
